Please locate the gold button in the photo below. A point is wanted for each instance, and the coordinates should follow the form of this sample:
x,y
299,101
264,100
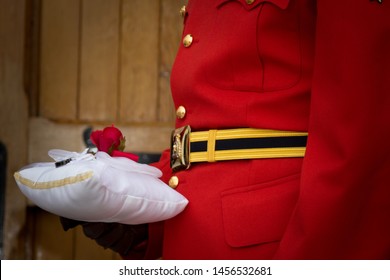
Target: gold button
x,y
173,182
187,41
249,2
180,112
183,11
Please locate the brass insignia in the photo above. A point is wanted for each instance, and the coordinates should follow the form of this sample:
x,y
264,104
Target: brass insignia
x,y
180,148
379,1
177,151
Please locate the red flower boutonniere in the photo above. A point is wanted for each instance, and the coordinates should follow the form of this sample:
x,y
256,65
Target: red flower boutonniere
x,y
111,141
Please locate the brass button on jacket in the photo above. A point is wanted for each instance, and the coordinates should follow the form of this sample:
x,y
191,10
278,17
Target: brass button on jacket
x,y
187,41
249,2
173,182
181,112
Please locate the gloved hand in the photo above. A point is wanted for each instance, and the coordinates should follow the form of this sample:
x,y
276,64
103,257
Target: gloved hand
x,y
129,241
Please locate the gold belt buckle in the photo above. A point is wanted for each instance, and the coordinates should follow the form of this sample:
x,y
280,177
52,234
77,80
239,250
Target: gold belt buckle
x,y
180,148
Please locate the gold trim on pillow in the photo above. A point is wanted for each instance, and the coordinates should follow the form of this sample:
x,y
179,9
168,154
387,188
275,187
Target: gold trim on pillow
x,y
55,183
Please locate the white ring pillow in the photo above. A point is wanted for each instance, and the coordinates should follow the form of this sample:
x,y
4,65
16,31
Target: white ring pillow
x,y
100,188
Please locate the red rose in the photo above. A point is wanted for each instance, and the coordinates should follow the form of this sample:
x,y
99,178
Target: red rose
x,y
111,141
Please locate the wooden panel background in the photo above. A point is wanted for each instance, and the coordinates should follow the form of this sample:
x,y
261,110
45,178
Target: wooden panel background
x,y
99,67
139,61
108,61
100,63
59,55
13,122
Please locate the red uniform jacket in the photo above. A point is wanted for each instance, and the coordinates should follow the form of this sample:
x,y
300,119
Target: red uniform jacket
x,y
304,65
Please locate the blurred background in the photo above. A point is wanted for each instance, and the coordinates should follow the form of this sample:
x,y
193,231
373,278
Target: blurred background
x,y
68,67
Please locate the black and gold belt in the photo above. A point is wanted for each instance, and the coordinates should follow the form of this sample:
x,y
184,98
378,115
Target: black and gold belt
x,y
232,144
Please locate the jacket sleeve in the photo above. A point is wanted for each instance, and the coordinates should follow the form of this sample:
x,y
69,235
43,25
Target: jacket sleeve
x,y
343,210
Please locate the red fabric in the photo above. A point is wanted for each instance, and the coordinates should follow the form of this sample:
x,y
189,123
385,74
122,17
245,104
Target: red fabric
x,y
344,205
318,66
116,153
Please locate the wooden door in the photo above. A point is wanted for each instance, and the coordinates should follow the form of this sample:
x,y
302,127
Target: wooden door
x,y
13,123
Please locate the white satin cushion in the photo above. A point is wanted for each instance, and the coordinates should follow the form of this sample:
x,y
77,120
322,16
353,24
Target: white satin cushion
x,y
100,188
